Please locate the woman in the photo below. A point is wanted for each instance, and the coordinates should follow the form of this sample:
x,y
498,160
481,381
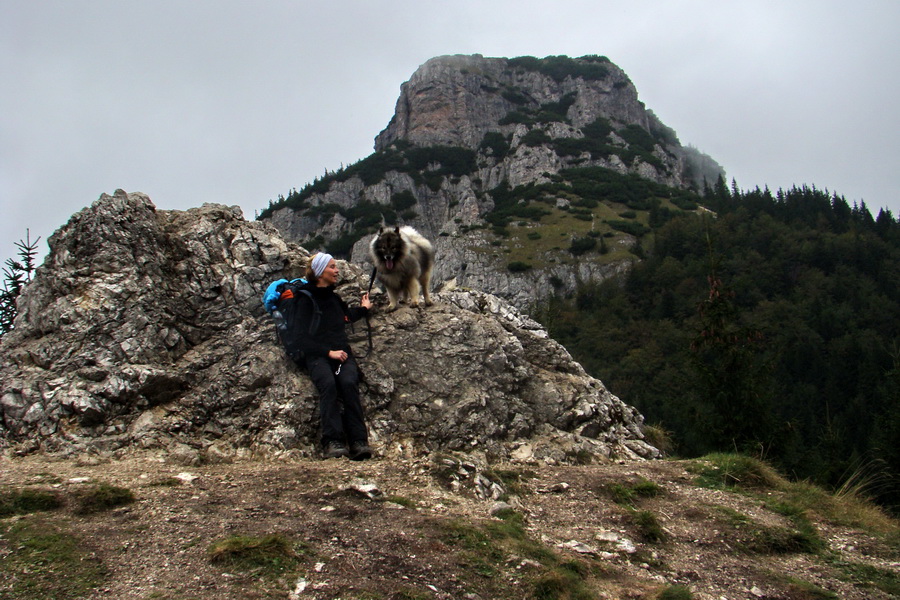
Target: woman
x,y
330,362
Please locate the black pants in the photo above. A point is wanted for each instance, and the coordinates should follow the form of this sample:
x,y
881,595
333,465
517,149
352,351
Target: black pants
x,y
340,409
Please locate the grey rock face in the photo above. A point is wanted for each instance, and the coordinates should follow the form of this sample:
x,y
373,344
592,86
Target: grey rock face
x,y
145,328
455,100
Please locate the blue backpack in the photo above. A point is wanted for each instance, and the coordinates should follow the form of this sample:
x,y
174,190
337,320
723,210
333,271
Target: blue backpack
x,y
280,300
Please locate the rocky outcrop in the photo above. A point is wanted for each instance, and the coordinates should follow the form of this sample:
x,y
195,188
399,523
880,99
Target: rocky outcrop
x,y
144,328
472,138
455,100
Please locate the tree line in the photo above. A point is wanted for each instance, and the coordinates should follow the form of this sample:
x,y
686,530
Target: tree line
x,y
770,325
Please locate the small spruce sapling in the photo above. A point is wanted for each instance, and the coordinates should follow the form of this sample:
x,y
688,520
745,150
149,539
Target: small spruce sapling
x,y
16,274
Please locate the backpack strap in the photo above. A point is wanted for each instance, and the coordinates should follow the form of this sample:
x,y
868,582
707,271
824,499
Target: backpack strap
x,y
317,312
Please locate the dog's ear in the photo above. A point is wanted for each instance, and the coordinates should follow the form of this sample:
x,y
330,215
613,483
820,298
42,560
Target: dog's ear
x,y
380,230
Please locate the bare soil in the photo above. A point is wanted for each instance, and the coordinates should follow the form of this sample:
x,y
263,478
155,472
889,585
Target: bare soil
x,y
413,533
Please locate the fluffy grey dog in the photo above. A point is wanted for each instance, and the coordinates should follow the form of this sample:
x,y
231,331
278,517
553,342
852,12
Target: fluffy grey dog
x,y
404,260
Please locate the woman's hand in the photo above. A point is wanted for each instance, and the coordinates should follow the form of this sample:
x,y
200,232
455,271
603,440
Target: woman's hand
x,y
338,355
365,302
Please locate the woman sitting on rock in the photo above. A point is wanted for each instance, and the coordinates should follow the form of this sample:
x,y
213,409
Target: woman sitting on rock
x,y
330,362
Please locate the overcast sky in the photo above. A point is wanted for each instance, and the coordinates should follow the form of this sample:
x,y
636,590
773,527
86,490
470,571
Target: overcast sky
x,y
236,102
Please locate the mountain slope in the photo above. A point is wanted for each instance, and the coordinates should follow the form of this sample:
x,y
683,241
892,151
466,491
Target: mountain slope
x,y
485,156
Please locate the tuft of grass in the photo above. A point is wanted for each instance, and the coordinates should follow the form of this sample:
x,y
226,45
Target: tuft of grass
x,y
369,595
659,437
562,583
806,537
868,576
754,538
721,470
627,494
401,500
49,562
513,481
648,526
646,488
847,507
166,482
621,494
486,550
100,497
270,555
28,500
410,594
510,532
477,550
579,457
808,591
675,592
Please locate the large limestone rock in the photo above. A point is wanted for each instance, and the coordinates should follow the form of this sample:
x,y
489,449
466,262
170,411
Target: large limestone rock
x,y
144,329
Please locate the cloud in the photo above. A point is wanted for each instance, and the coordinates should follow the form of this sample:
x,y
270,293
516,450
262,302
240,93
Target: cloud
x,y
236,102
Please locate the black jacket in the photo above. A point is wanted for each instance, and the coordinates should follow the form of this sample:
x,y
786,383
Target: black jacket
x,y
330,334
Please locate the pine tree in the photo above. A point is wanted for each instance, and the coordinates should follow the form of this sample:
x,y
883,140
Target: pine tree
x,y
730,375
16,275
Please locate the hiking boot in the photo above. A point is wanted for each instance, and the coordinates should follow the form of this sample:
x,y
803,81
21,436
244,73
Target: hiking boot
x,y
360,451
336,449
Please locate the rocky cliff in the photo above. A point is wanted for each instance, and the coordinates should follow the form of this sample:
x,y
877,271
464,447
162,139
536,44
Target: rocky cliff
x,y
144,328
505,164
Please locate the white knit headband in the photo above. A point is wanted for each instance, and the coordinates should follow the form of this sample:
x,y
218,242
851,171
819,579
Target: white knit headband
x,y
319,262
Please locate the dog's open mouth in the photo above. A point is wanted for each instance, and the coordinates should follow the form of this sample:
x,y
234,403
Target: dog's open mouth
x,y
389,264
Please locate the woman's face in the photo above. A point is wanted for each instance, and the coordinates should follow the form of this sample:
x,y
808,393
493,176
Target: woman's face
x,y
330,275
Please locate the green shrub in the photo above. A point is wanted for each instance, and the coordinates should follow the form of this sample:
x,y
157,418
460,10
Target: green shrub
x,y
637,137
582,245
366,214
556,111
598,129
536,137
516,117
514,95
630,227
560,67
453,160
685,203
517,266
403,200
496,143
